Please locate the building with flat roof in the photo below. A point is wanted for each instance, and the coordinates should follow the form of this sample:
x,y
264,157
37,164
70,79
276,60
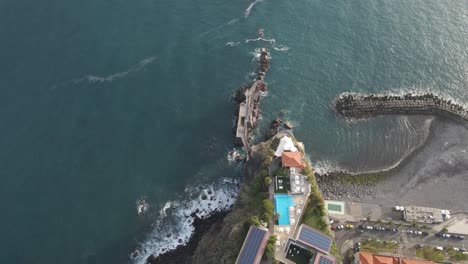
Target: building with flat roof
x,y
423,214
314,238
323,259
459,227
369,258
253,246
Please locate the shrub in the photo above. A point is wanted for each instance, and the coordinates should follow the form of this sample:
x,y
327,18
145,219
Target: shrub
x,y
254,220
270,248
268,181
268,210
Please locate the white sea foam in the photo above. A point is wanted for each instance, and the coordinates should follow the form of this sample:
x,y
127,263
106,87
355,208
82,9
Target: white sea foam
x,y
271,41
92,78
232,43
281,48
174,225
109,78
249,8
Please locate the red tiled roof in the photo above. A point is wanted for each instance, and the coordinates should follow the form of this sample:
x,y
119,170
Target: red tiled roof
x,y
368,258
292,159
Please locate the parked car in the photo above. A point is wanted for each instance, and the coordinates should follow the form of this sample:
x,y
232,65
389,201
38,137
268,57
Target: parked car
x,y
340,227
332,221
439,234
439,248
369,227
357,247
333,227
409,231
460,237
456,249
349,226
418,232
446,235
425,233
360,231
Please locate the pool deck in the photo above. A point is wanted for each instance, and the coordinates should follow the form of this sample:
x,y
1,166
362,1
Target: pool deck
x,y
281,230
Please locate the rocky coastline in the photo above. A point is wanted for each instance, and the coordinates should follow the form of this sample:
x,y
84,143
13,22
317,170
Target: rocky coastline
x,y
183,253
334,186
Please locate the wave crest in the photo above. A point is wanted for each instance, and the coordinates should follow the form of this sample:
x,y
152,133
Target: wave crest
x,y
174,226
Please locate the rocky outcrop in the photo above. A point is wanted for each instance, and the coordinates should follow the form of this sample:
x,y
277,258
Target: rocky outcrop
x,y
183,253
248,98
363,106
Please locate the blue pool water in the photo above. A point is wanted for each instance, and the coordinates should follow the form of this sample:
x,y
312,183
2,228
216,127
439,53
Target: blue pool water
x,y
282,203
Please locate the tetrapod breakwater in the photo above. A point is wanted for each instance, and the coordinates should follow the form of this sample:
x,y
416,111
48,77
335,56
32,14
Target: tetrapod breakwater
x,y
369,105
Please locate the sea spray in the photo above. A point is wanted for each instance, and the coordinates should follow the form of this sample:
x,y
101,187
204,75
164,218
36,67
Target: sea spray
x,y
174,225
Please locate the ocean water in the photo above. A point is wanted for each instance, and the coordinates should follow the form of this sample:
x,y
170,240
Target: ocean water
x,y
103,103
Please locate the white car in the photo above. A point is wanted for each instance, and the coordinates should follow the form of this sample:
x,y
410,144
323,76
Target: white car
x,y
445,235
418,232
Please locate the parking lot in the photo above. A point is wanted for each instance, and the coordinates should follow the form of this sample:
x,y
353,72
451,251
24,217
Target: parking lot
x,y
409,237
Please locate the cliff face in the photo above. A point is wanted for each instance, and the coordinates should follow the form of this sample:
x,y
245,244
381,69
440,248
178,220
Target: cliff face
x,y
223,241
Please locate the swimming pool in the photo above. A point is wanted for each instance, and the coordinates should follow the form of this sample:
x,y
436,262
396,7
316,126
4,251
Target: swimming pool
x,y
282,204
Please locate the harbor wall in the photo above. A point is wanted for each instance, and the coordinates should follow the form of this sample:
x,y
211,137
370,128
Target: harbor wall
x,y
369,105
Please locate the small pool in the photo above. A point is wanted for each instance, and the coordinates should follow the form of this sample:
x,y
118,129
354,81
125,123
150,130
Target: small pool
x,y
282,204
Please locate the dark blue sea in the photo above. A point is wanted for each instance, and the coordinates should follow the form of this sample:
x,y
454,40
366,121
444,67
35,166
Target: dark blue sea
x,y
107,102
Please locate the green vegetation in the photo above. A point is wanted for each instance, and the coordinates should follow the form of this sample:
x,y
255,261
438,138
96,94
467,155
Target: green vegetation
x,y
430,253
283,171
315,210
364,179
456,255
377,246
268,210
223,242
445,230
270,248
254,220
267,180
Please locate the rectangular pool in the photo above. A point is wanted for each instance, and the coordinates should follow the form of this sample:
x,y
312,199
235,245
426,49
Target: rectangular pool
x,y
282,204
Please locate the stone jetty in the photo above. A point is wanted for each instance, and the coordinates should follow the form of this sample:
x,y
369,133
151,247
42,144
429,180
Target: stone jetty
x,y
248,98
369,105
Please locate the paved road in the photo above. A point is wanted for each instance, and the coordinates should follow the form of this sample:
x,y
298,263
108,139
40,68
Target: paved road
x,y
409,241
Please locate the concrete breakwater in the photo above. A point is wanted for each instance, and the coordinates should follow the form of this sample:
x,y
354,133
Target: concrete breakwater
x,y
248,98
368,105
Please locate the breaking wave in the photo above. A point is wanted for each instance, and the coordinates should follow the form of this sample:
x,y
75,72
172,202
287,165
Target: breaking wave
x,y
281,48
249,8
232,43
109,78
271,41
174,225
141,65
